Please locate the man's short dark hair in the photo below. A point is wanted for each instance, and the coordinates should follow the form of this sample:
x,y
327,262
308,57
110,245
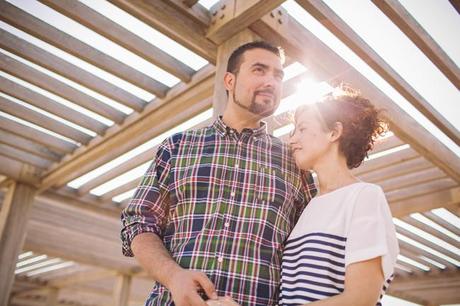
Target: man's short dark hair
x,y
234,61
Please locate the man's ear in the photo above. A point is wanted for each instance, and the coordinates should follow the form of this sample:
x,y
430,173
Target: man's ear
x,y
336,131
229,81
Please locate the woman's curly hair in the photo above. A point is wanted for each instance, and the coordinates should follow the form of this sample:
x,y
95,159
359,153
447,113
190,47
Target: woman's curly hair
x,y
362,122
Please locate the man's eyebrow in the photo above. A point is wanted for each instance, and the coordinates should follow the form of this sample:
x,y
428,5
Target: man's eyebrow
x,y
265,66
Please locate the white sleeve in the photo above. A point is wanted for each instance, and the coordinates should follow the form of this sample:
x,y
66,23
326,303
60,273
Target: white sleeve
x,y
371,230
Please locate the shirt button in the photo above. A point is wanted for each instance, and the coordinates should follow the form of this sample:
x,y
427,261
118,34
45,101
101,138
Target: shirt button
x,y
232,193
220,259
236,166
227,224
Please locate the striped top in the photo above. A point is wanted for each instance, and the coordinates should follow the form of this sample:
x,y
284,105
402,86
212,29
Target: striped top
x,y
348,225
224,203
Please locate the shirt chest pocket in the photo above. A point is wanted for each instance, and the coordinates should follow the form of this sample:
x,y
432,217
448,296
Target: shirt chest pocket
x,y
270,185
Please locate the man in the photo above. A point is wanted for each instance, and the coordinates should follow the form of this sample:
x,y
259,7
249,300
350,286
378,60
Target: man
x,y
213,210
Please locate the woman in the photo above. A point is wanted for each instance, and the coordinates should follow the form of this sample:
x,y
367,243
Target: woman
x,y
343,249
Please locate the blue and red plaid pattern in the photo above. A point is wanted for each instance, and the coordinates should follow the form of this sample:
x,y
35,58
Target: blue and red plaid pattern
x,y
224,203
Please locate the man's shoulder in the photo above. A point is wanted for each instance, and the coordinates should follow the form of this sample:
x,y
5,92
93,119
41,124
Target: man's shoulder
x,y
194,135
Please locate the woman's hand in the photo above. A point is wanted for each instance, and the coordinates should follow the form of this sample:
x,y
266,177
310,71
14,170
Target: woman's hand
x,y
222,301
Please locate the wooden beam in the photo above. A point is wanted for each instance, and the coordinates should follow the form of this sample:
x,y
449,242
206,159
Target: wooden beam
x,y
456,5
24,156
33,98
37,118
420,37
72,72
54,143
185,102
232,16
325,64
33,76
378,164
448,264
122,290
52,297
27,23
121,189
455,193
329,19
196,11
118,34
423,203
13,220
29,146
172,23
19,171
189,3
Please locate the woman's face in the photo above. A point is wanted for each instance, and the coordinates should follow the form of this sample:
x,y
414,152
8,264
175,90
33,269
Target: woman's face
x,y
309,140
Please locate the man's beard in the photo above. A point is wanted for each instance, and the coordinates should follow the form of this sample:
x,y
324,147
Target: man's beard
x,y
260,109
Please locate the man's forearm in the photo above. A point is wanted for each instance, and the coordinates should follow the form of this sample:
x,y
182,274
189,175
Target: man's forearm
x,y
152,255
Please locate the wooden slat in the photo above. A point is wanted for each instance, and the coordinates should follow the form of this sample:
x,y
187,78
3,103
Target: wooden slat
x,y
396,170
405,245
33,98
422,203
24,113
182,103
412,179
113,31
415,256
54,63
55,143
59,88
427,242
172,23
24,156
420,37
386,161
122,290
119,190
451,227
325,64
232,16
345,33
431,230
420,189
29,146
18,18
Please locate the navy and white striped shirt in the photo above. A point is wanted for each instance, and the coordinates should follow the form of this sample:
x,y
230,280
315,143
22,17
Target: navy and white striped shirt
x,y
348,225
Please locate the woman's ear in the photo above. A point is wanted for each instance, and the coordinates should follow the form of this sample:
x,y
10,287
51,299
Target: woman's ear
x,y
336,131
229,81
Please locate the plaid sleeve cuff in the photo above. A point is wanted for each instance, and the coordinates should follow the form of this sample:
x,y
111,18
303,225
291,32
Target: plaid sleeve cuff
x,y
133,227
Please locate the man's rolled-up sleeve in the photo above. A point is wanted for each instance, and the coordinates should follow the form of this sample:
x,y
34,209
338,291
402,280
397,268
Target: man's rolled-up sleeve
x,y
148,209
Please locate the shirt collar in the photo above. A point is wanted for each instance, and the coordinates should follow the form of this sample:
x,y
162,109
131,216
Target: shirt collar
x,y
222,129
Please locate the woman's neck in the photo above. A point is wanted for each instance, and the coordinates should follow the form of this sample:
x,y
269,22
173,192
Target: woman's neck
x,y
333,173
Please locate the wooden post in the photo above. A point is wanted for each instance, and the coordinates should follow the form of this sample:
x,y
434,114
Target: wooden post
x,y
223,53
122,289
13,220
52,298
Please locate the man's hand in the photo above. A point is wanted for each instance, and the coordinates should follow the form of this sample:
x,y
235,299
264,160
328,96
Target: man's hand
x,y
185,284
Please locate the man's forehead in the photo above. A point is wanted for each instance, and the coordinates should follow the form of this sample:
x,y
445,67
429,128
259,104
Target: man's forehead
x,y
261,56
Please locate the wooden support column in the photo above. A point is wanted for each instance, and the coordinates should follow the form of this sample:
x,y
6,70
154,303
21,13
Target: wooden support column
x,y
52,297
122,290
223,53
13,220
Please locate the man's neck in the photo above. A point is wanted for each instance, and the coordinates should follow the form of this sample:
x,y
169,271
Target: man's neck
x,y
240,120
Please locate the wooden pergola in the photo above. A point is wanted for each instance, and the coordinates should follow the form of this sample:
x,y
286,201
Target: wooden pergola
x,y
42,217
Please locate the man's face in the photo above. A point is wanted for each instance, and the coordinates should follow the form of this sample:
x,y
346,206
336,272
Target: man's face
x,y
257,85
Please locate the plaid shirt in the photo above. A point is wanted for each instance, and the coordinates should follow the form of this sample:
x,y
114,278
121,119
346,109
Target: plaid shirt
x,y
224,203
